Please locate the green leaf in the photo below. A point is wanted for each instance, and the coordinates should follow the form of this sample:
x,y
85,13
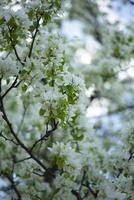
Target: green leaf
x,y
78,137
1,20
42,111
60,162
24,88
12,23
8,81
44,195
32,28
31,14
46,18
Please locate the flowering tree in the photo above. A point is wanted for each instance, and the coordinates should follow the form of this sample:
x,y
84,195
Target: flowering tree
x,y
48,150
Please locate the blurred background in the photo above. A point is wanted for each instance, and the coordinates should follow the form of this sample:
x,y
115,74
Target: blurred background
x,y
100,39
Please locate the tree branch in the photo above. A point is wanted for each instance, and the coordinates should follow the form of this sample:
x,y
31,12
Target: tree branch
x,y
34,36
17,138
76,194
14,85
14,48
131,155
23,117
21,160
94,193
8,139
0,86
13,185
44,137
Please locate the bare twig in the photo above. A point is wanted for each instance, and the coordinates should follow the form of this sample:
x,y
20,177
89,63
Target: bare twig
x,y
13,85
22,120
94,193
14,48
44,137
131,155
0,86
21,160
120,170
34,36
76,193
8,139
38,174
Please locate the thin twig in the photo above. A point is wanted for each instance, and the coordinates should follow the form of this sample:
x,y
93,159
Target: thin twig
x,y
34,36
13,185
22,120
44,137
12,86
76,194
8,139
38,174
14,48
21,160
94,193
17,138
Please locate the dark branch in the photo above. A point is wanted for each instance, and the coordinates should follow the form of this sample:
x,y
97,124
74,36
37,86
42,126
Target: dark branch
x,y
23,117
94,193
44,137
21,160
131,155
76,194
8,139
17,138
13,185
14,48
34,36
14,85
38,174
120,170
0,86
